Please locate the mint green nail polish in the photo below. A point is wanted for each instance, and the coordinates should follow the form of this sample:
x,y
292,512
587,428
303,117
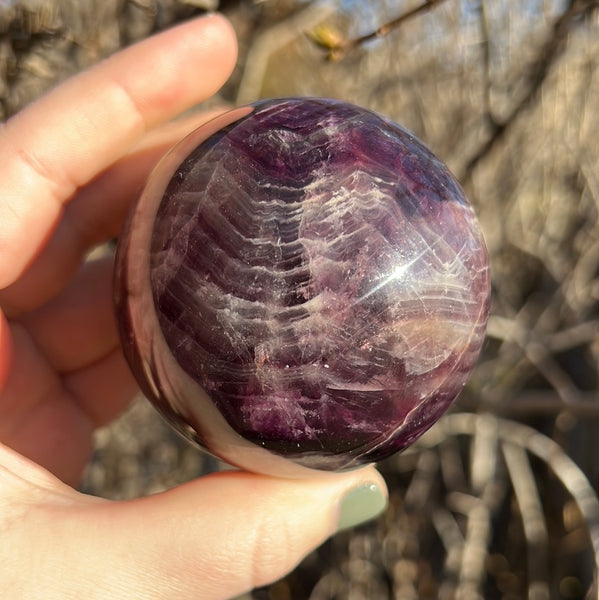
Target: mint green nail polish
x,y
361,504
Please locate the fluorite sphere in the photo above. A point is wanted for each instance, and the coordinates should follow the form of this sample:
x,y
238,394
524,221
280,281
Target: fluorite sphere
x,y
302,285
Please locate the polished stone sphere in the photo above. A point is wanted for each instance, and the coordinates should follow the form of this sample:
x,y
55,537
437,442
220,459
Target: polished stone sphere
x,y
302,285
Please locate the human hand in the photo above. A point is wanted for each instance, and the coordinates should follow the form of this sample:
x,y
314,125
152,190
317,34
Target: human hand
x,y
70,164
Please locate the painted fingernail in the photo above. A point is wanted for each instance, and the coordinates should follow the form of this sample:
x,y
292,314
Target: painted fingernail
x,y
361,504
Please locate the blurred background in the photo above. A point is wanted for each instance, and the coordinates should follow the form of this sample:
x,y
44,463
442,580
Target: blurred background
x,y
499,500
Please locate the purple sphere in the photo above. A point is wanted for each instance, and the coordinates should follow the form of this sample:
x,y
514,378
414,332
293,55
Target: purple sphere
x,y
302,285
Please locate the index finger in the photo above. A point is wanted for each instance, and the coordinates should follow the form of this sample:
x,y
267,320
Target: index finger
x,y
66,138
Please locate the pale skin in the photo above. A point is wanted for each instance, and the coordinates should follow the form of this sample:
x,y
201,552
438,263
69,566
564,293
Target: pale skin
x,y
70,165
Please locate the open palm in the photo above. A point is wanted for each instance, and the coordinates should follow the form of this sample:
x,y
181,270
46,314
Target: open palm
x,y
70,165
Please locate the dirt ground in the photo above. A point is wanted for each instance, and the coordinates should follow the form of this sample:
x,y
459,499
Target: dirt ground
x,y
499,500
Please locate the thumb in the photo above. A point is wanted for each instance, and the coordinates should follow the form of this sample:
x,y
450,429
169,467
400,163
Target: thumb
x,y
212,538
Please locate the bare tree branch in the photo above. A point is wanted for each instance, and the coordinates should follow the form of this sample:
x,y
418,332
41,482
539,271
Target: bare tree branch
x,y
539,71
337,48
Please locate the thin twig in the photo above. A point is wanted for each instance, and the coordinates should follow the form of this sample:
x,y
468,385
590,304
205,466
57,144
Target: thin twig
x,y
566,470
270,42
533,519
474,554
541,403
338,49
486,60
422,483
450,534
538,352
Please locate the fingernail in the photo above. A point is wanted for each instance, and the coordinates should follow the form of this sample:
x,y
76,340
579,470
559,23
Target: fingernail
x,y
361,504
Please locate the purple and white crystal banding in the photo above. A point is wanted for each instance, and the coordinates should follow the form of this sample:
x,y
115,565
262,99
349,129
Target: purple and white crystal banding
x,y
316,275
